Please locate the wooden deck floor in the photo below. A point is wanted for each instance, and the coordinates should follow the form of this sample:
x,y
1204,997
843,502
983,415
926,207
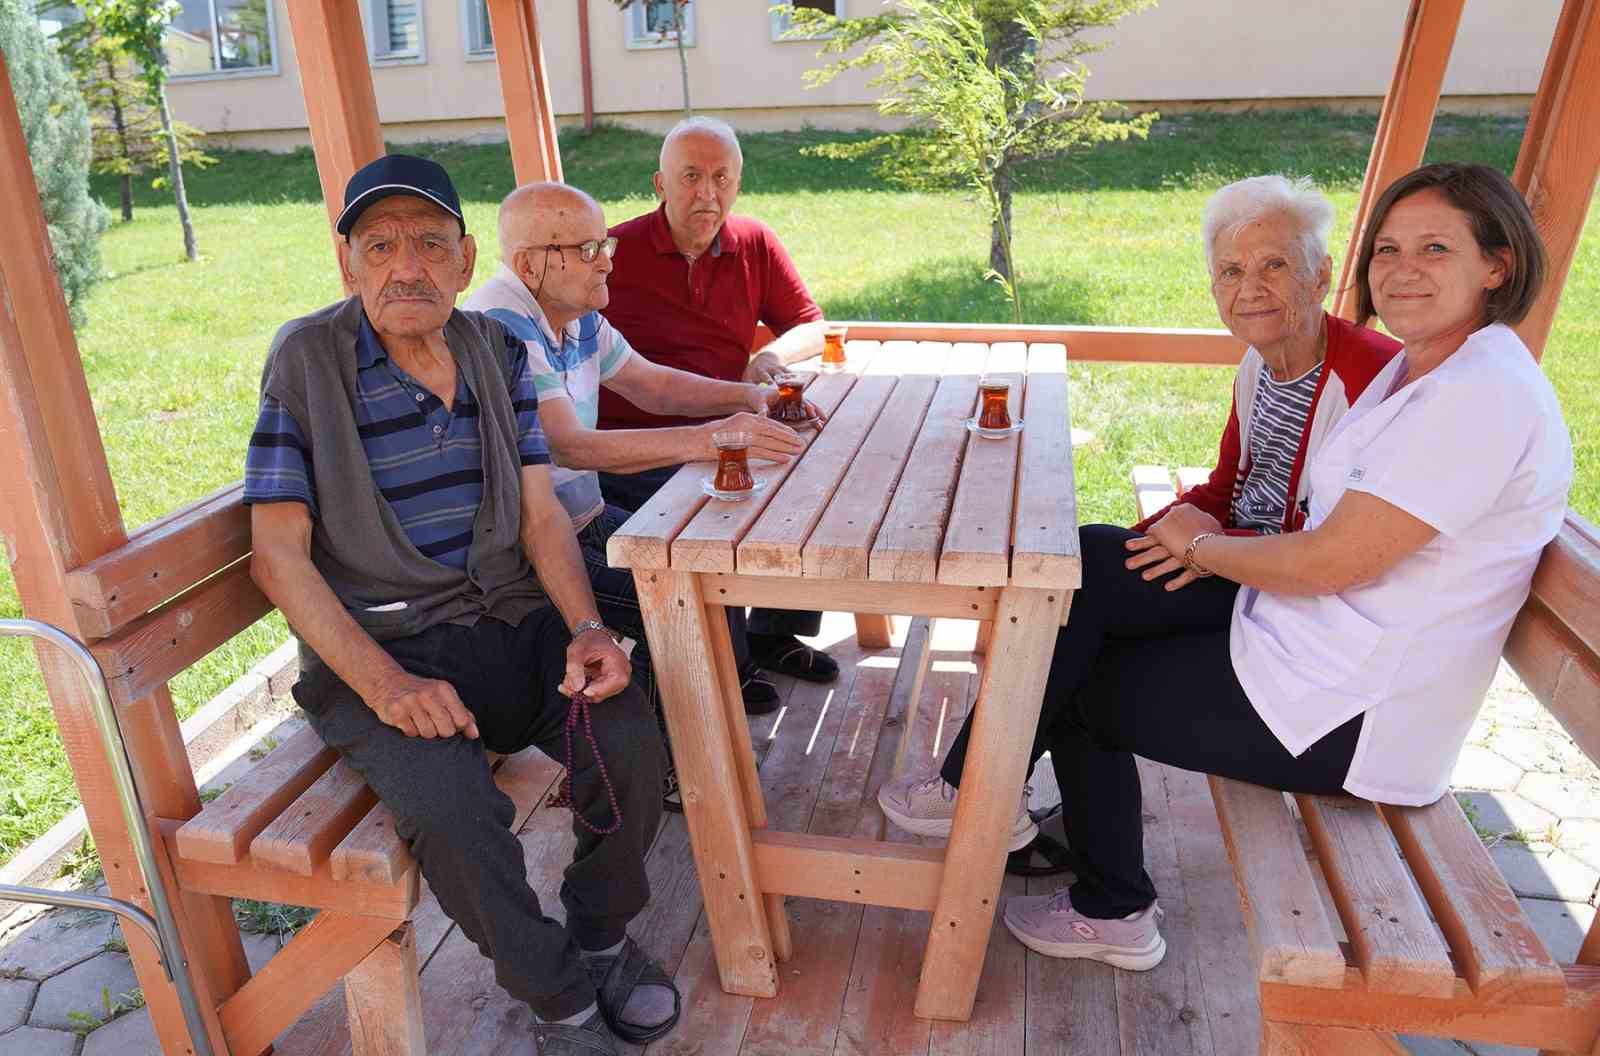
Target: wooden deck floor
x,y
850,987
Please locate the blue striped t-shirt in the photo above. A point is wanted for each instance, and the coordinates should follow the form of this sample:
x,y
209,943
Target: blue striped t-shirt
x,y
426,460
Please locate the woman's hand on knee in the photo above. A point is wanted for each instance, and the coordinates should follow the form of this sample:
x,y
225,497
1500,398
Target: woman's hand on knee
x,y
1157,559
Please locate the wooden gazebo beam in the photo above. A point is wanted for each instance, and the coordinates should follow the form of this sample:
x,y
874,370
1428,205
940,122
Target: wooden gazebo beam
x,y
525,90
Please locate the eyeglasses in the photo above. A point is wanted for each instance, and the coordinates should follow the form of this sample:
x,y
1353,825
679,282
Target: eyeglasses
x,y
587,251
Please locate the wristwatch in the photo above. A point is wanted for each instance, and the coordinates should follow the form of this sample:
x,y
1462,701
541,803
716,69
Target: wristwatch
x,y
589,625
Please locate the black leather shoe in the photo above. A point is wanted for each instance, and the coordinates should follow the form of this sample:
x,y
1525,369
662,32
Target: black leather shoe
x,y
785,654
760,695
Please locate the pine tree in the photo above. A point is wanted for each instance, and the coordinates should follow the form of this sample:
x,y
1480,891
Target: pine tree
x,y
55,123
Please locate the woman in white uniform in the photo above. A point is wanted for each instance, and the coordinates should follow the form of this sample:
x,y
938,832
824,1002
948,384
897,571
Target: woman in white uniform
x,y
1358,651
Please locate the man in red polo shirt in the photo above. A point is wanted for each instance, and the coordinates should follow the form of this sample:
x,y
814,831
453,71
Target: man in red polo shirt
x,y
691,281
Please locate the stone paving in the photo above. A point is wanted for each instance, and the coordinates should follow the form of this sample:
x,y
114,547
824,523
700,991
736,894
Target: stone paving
x,y
67,988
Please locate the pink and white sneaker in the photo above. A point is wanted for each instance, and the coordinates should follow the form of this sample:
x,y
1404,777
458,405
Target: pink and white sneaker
x,y
1049,925
926,806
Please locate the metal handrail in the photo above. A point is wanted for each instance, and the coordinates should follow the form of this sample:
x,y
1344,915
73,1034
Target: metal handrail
x,y
162,928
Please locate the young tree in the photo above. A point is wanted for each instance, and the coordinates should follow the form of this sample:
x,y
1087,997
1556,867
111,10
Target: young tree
x,y
678,7
56,126
139,28
986,85
128,138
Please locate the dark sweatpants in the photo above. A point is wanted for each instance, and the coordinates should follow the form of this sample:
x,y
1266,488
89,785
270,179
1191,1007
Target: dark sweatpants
x,y
629,491
1141,670
458,823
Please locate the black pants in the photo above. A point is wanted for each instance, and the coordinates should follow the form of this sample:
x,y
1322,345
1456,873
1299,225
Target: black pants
x,y
458,822
631,490
1140,670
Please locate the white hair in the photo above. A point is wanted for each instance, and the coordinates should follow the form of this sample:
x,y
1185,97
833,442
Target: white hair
x,y
706,125
1244,201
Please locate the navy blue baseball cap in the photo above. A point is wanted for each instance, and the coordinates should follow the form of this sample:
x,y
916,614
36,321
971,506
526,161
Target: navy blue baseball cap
x,y
398,174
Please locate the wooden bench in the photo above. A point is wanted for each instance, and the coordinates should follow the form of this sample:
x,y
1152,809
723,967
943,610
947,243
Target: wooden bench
x,y
1425,936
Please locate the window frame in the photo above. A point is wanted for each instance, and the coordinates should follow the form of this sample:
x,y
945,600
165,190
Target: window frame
x,y
780,24
638,37
468,21
369,25
220,74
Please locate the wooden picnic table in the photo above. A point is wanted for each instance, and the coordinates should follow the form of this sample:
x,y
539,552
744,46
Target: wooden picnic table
x,y
893,508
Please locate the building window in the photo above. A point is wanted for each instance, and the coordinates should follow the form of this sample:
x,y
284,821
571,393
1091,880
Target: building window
x,y
649,23
220,36
480,35
54,17
780,15
394,30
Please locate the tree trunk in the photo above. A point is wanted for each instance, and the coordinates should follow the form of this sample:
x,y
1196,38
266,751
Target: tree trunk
x,y
119,122
1001,232
175,167
683,58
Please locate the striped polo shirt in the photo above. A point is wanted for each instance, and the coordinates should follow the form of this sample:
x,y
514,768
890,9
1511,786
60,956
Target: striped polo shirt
x,y
570,366
1277,422
426,460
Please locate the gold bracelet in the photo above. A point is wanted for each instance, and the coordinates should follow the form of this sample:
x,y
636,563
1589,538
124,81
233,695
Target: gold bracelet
x,y
1200,571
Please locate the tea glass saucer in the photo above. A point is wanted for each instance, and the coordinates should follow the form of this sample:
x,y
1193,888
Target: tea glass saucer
x,y
708,486
993,434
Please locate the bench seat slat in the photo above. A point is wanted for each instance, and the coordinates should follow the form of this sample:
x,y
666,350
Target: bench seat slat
x,y
222,831
1291,938
1152,489
301,838
1494,943
1396,945
373,853
1192,477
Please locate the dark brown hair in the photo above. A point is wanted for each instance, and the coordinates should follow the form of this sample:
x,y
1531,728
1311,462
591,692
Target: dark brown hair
x,y
1500,220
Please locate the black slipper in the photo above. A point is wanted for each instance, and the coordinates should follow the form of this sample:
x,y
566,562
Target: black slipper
x,y
590,1038
785,654
1057,858
616,977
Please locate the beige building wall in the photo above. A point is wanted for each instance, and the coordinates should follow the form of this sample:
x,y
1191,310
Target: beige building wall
x,y
1182,52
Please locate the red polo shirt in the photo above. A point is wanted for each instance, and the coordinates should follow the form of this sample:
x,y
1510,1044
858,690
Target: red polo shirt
x,y
698,317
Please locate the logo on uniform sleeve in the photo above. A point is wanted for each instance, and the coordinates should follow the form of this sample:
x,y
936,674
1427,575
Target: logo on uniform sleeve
x,y
1358,472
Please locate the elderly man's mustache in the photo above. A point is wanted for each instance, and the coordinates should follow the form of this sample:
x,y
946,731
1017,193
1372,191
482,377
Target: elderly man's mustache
x,y
410,290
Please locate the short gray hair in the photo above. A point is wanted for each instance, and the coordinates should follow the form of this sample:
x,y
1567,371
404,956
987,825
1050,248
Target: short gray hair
x,y
1244,201
707,125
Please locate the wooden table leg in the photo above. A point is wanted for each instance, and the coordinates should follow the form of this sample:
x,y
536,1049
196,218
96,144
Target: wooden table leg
x,y
873,631
1005,717
674,611
744,757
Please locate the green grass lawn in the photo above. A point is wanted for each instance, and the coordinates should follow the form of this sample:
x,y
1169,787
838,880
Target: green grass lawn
x,y
173,350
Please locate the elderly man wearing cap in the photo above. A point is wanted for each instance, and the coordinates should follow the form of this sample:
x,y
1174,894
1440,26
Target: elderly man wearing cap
x,y
692,282
403,518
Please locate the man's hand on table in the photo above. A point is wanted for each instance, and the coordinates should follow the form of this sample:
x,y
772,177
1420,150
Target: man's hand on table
x,y
763,368
422,707
768,439
596,666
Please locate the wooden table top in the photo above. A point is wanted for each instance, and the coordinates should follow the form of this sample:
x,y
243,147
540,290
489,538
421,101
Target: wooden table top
x,y
894,488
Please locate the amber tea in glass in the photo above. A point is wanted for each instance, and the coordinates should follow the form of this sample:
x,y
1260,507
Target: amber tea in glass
x,y
833,347
994,410
733,461
791,406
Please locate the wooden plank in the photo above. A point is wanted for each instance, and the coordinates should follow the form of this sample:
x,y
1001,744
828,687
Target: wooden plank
x,y
161,559
1116,344
318,891
1044,531
1291,938
910,359
1567,581
977,540
1004,721
222,831
1291,1039
1494,943
997,1022
341,107
316,958
675,621
1396,945
154,648
1572,1027
1405,121
1559,671
373,852
773,544
385,1001
848,870
1163,1010
1221,945
1192,477
530,119
906,549
840,545
707,542
300,839
842,595
1152,489
1560,157
1072,1003
645,540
